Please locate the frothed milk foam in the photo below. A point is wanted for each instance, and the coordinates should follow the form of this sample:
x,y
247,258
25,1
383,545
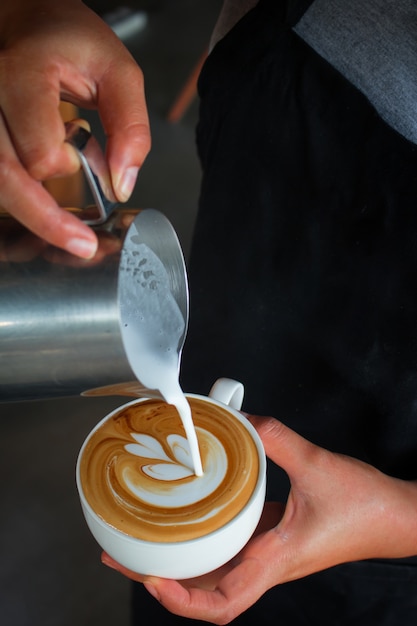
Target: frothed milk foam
x,y
152,327
136,471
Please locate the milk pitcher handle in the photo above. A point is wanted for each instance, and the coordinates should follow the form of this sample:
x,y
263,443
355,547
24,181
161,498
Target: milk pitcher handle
x,y
96,172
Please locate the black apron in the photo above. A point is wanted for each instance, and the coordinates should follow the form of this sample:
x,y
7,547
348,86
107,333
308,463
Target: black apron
x,y
303,283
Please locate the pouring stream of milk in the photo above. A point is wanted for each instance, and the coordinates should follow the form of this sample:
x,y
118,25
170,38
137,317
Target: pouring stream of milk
x,y
153,328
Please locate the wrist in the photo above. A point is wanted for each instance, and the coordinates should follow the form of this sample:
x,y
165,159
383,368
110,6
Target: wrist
x,y
398,514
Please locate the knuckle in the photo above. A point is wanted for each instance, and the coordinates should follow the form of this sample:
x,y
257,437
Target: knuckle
x,y
270,427
131,70
41,163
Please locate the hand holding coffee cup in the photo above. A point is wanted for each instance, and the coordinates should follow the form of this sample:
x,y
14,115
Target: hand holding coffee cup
x,y
144,504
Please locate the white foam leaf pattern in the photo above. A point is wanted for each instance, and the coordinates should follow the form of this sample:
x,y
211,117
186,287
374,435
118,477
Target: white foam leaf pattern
x,y
147,447
175,468
177,492
181,450
167,471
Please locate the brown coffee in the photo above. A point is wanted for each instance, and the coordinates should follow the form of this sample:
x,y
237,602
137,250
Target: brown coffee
x,y
137,474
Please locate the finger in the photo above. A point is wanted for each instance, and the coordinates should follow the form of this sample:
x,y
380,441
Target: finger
x,y
284,446
125,120
108,245
107,560
28,201
31,205
39,140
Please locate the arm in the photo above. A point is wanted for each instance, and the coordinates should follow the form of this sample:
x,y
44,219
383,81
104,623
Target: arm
x,y
52,51
339,510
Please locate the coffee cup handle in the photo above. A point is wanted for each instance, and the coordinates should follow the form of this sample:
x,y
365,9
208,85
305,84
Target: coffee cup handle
x,y
228,391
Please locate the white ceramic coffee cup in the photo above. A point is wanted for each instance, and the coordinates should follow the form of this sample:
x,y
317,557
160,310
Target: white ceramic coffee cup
x,y
185,559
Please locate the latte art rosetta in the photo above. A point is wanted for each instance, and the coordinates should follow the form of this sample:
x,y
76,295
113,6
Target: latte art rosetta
x,y
137,473
181,492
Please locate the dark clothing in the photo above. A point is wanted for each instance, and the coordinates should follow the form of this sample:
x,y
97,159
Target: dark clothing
x,y
303,279
303,271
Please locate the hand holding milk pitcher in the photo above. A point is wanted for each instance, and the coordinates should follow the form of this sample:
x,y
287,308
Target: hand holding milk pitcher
x,y
64,51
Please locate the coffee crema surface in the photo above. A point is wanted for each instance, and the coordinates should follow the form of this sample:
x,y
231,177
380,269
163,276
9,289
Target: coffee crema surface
x,y
137,474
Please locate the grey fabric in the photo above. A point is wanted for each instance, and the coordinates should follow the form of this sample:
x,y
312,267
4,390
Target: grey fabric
x,y
373,43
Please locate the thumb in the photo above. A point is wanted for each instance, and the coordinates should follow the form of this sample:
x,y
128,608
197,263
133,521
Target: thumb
x,y
123,110
282,445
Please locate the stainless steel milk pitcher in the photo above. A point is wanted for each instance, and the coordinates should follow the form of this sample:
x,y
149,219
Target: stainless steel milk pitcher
x,y
69,326
60,317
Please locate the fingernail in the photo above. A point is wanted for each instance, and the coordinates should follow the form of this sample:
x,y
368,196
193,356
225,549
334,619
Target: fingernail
x,y
84,248
152,590
126,184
